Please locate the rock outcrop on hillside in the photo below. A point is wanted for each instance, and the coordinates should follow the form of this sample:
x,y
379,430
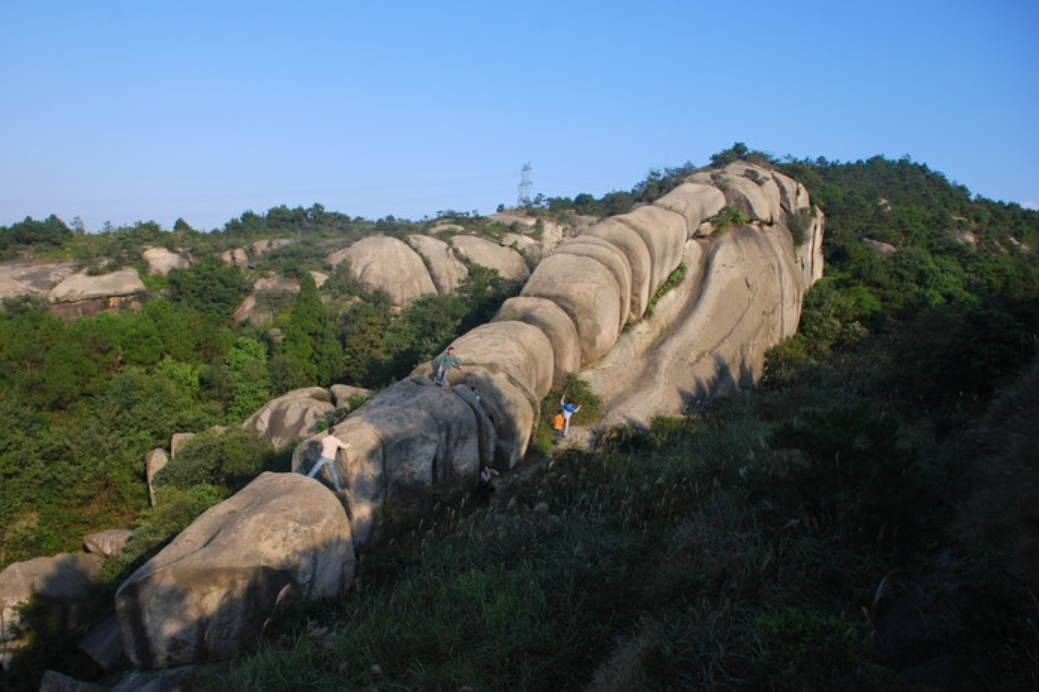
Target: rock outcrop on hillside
x,y
510,264
445,269
292,415
22,278
83,286
209,593
584,308
161,261
383,262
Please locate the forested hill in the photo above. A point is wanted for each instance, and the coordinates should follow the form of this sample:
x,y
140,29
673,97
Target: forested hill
x,y
891,469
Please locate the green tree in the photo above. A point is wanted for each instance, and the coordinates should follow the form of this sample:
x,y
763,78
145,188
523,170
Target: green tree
x,y
209,287
310,342
362,328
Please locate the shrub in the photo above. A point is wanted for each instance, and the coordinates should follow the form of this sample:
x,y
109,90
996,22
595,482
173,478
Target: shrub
x,y
673,280
230,459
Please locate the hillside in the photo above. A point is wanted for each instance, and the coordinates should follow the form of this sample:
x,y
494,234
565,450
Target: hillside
x,y
792,535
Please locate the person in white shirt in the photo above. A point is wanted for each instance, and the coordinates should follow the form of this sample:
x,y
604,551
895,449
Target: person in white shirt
x,y
330,446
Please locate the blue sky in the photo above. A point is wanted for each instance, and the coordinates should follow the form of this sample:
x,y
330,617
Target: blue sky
x,y
136,111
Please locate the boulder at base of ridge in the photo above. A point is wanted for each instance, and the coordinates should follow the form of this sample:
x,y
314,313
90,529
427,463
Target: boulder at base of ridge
x,y
208,595
62,585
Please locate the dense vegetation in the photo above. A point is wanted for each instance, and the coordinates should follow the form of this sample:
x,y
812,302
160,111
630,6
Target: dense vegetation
x,y
86,400
864,520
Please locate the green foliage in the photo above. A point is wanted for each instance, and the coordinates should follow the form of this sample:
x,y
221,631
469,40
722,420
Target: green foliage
x,y
244,378
362,329
29,233
676,277
484,290
948,356
727,218
575,391
208,287
310,344
800,222
421,331
803,649
227,459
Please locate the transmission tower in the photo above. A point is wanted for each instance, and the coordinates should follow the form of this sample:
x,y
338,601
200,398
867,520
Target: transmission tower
x,y
524,186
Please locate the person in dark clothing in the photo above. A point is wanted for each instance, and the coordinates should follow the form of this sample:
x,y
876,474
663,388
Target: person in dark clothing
x,y
486,485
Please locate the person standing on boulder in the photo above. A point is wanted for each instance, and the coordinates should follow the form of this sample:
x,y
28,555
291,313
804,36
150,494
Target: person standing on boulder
x,y
445,362
330,446
568,410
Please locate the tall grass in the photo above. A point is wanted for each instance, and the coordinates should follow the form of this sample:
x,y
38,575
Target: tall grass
x,y
689,557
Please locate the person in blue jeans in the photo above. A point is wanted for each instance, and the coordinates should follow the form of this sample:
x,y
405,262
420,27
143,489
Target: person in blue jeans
x,y
330,446
568,410
445,362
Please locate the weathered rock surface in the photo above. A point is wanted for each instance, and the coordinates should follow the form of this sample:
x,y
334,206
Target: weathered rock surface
x,y
81,286
104,644
292,415
695,202
510,265
878,247
342,393
742,294
154,461
413,435
554,323
588,292
640,263
664,233
107,543
63,586
161,261
446,270
383,262
23,278
235,258
209,593
262,247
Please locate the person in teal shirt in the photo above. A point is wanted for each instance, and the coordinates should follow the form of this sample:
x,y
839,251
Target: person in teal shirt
x,y
447,361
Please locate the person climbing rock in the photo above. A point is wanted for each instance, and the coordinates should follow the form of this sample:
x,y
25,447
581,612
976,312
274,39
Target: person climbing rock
x,y
330,446
445,362
568,410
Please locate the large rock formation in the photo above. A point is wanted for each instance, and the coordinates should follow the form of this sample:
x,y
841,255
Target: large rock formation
x,y
161,261
446,270
383,262
82,286
292,415
584,308
63,585
413,435
509,264
209,593
21,278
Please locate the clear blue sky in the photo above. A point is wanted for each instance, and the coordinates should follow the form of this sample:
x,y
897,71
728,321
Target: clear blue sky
x,y
133,111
